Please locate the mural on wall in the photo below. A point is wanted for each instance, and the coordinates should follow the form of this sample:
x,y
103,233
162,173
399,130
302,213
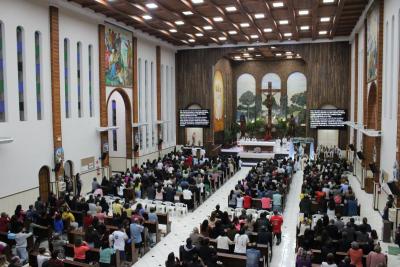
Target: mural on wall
x,y
118,58
246,97
297,98
372,42
276,99
218,93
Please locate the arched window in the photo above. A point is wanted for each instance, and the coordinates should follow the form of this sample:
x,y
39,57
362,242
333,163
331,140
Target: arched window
x,y
297,97
38,69
66,79
114,123
246,96
90,72
275,81
79,77
2,81
21,73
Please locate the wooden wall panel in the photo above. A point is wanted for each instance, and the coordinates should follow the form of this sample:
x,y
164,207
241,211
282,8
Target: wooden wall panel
x,y
102,91
326,66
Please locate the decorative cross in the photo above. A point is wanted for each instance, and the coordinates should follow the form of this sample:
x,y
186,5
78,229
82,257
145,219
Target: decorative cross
x,y
269,92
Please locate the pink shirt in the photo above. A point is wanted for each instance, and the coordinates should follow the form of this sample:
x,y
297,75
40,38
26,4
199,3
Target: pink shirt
x,y
266,203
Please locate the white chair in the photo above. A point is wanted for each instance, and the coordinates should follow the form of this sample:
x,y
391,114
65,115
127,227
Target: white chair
x,y
149,204
169,208
238,212
230,211
181,208
160,207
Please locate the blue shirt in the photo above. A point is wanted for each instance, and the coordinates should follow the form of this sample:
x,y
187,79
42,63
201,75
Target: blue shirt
x,y
153,217
136,232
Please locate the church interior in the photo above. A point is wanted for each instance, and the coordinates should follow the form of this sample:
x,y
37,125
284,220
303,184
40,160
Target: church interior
x,y
200,133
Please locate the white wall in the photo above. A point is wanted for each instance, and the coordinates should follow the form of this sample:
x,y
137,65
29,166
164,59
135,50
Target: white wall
x,y
120,150
32,148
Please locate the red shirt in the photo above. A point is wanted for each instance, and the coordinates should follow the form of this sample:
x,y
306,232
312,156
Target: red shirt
x,y
80,252
276,221
87,221
4,221
319,195
265,203
247,202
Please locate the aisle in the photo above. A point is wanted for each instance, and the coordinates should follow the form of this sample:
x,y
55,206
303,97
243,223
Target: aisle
x,y
182,227
284,254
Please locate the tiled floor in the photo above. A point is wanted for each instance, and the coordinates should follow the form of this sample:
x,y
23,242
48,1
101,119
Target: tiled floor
x,y
284,254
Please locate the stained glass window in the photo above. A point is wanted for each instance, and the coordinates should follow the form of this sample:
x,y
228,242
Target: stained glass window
x,y
38,76
20,60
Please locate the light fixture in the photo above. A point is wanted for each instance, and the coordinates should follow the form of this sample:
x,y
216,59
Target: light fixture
x,y
250,48
244,25
230,8
322,32
328,1
197,1
179,22
246,54
151,5
232,32
192,40
222,38
278,54
218,19
273,47
287,34
259,16
325,19
207,28
250,58
237,57
304,28
147,17
187,13
199,34
172,30
258,55
267,30
284,22
304,12
289,57
254,36
277,4
288,53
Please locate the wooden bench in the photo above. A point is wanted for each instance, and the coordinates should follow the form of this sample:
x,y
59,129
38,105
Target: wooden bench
x,y
235,260
69,263
163,218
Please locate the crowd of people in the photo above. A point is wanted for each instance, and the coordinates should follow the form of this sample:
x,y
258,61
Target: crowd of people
x,y
224,232
326,192
160,180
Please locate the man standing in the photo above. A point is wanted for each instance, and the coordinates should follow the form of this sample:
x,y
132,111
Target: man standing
x,y
136,234
117,240
277,221
21,244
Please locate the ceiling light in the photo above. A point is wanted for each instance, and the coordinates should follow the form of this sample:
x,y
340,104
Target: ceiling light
x,y
328,1
172,30
278,54
218,19
250,48
192,40
244,25
179,22
304,28
258,55
197,1
325,19
147,17
222,38
284,22
250,58
187,13
207,28
289,57
273,47
304,12
151,5
199,34
230,8
254,36
246,54
277,4
237,57
232,32
323,32
259,16
288,53
267,30
287,34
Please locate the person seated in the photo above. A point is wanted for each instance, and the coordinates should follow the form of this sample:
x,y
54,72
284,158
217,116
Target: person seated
x,y
330,261
187,252
172,261
356,253
376,257
303,259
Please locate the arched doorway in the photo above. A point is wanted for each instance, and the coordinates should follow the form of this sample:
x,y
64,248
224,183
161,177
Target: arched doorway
x,y
68,175
194,136
44,183
328,137
119,114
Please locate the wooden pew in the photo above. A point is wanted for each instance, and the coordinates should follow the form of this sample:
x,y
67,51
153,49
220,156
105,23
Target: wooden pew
x,y
153,228
235,260
163,218
69,263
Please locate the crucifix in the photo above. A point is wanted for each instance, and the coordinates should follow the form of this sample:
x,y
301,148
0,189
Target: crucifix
x,y
269,93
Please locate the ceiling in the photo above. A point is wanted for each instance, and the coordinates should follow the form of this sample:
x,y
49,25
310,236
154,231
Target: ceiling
x,y
205,22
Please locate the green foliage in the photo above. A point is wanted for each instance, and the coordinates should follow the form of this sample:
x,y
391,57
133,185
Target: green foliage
x,y
299,99
247,98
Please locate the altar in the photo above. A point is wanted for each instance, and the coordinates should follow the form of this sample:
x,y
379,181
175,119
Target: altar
x,y
257,146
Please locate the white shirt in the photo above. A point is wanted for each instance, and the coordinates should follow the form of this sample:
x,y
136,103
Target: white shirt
x,y
223,242
187,194
41,259
241,243
325,264
239,202
118,239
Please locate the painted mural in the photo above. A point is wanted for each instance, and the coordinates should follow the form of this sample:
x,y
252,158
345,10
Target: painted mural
x,y
246,97
218,93
119,57
297,98
372,42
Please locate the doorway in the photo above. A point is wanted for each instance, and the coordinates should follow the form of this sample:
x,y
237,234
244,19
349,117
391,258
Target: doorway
x,y
44,183
68,175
